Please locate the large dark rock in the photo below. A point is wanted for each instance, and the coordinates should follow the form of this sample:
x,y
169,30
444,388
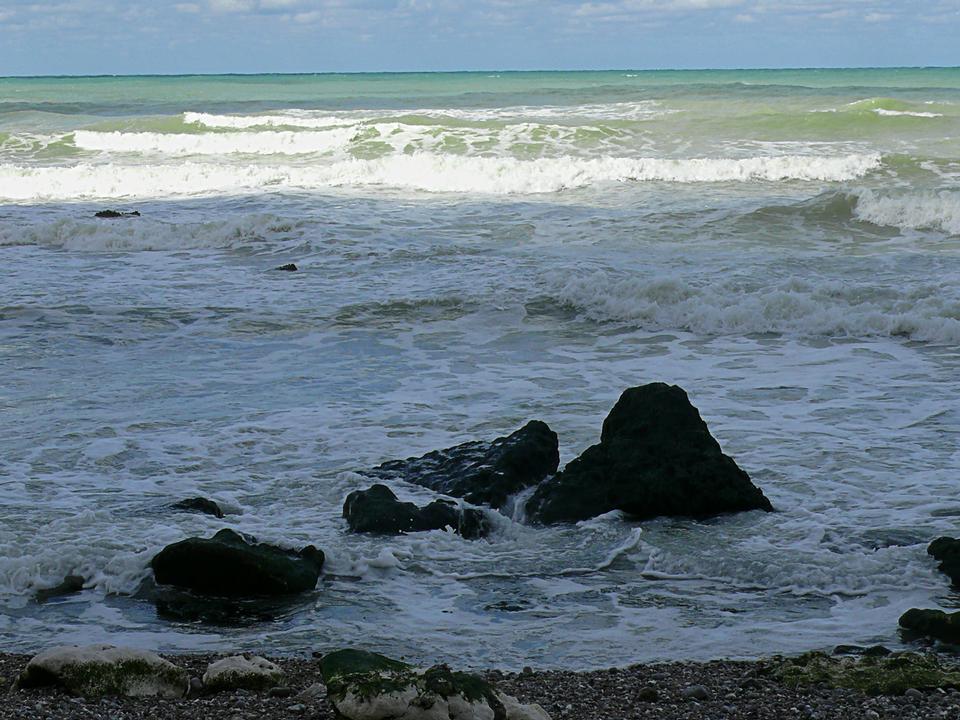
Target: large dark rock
x,y
483,473
377,510
947,551
655,457
934,624
230,565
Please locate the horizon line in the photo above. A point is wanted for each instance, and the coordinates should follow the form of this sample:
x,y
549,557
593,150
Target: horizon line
x,y
473,71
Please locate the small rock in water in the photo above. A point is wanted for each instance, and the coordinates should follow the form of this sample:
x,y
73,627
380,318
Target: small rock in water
x,y
199,505
696,692
71,584
110,214
289,267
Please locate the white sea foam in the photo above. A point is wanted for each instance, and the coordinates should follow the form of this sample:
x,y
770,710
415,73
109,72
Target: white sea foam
x,y
421,171
641,110
251,143
243,122
906,113
931,210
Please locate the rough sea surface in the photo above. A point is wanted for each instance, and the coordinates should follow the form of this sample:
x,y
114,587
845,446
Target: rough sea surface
x,y
477,250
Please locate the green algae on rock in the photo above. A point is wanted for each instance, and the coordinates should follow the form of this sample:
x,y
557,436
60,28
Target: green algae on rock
x,y
241,672
890,675
366,686
99,670
934,624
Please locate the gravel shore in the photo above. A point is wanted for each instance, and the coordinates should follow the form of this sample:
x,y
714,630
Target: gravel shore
x,y
720,690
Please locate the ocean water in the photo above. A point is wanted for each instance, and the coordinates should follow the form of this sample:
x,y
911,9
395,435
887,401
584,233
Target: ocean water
x,y
477,250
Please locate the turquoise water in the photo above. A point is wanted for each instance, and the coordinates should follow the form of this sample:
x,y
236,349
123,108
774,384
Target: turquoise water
x,y
477,250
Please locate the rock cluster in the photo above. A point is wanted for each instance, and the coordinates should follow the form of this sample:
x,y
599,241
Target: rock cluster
x,y
377,510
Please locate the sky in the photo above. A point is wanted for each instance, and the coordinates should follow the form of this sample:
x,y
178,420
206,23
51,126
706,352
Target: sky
x,y
78,37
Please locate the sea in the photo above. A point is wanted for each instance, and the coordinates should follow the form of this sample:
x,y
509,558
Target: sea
x,y
477,250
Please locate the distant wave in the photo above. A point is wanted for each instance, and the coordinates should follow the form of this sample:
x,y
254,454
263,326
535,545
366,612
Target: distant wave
x,y
427,172
260,143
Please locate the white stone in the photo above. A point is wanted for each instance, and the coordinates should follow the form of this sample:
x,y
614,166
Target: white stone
x,y
96,670
239,671
517,711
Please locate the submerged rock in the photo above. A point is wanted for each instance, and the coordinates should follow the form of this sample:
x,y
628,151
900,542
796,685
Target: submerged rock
x,y
289,267
241,672
71,584
111,214
377,510
892,674
367,686
229,564
655,457
934,624
199,505
947,551
98,670
483,473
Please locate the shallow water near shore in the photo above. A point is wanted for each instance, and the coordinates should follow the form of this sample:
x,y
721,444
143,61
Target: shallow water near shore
x,y
475,252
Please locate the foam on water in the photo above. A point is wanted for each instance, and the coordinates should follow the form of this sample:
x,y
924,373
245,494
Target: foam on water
x,y
421,172
933,210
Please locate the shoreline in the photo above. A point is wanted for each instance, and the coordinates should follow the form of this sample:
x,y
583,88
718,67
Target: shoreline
x,y
682,690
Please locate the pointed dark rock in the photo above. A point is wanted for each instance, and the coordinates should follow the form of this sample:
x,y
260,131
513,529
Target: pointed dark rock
x,y
655,457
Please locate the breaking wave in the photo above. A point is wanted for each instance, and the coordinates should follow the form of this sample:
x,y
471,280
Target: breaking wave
x,y
427,172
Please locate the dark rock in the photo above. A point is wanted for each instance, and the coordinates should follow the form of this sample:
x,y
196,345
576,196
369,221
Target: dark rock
x,y
934,624
377,510
230,565
483,473
71,584
343,663
289,267
111,214
695,692
655,457
199,505
648,694
281,692
180,605
947,551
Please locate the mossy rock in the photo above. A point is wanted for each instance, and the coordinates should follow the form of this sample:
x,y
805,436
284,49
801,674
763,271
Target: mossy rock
x,y
363,684
890,675
934,624
99,670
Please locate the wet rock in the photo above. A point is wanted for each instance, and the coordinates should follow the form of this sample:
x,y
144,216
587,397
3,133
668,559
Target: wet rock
x,y
483,473
377,510
289,267
71,584
241,672
228,564
99,670
890,675
112,214
655,457
367,686
695,692
934,624
199,505
648,694
182,605
947,551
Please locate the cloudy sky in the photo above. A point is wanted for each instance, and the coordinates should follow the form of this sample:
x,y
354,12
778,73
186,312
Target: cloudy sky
x,y
183,36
